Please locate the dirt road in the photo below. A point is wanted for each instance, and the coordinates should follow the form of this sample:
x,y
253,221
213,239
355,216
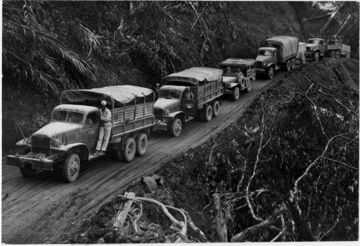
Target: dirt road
x,y
44,210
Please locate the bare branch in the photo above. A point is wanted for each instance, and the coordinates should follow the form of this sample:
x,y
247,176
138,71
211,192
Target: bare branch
x,y
341,163
271,219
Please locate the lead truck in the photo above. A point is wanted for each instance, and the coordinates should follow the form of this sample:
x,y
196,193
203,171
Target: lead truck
x,y
277,53
70,138
186,95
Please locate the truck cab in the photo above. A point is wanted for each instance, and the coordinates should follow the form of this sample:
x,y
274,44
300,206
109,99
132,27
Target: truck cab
x,y
266,61
237,76
315,48
71,136
188,94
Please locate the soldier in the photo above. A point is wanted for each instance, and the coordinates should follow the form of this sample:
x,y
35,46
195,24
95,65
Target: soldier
x,y
105,129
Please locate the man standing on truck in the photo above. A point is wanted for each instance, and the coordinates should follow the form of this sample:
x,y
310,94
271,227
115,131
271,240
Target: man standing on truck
x,y
105,129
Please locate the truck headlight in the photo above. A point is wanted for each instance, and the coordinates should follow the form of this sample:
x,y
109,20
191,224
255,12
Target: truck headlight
x,y
56,141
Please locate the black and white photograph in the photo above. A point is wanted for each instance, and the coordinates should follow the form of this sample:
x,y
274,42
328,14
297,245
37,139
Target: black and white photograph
x,y
180,122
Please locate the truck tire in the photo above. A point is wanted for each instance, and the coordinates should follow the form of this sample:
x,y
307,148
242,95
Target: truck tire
x,y
116,152
337,54
236,94
175,127
248,86
208,112
216,108
317,56
129,150
26,171
141,144
270,73
288,66
71,168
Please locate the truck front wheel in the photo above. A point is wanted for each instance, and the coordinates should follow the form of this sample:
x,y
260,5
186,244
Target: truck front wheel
x,y
71,168
175,128
270,73
317,56
141,144
236,94
129,150
27,171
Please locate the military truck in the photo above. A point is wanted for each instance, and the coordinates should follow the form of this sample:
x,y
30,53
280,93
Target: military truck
x,y
315,49
336,49
70,138
237,76
276,53
186,95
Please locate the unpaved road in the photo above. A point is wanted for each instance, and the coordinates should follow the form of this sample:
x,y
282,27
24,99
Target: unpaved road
x,y
44,210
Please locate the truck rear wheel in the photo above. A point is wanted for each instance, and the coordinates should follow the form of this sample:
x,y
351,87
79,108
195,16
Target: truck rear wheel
x,y
129,150
208,112
175,127
236,94
71,168
27,171
141,144
216,108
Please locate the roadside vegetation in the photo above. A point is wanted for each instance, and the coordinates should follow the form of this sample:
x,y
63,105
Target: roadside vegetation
x,y
287,170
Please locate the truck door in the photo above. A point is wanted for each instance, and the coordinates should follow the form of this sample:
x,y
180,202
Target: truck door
x,y
91,130
188,102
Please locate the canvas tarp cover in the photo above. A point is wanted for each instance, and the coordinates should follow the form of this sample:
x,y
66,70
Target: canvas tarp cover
x,y
195,75
288,45
121,94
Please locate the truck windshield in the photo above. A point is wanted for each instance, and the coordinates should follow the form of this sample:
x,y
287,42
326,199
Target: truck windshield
x,y
168,94
311,41
265,53
67,116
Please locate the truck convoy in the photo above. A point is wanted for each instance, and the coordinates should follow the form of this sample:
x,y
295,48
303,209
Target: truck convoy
x,y
191,93
70,138
277,53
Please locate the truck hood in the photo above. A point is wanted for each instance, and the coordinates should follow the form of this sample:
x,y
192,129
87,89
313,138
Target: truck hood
x,y
311,46
263,58
55,128
167,104
229,79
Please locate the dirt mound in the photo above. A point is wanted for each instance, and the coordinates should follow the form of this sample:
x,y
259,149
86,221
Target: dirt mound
x,y
287,170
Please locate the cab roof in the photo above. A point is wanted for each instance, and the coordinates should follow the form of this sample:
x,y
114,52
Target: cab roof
x,y
237,62
267,48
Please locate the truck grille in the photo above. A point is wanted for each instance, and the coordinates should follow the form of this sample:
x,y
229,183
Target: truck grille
x,y
258,64
159,113
40,144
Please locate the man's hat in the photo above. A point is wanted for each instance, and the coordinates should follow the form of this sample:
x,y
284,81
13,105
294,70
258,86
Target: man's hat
x,y
103,103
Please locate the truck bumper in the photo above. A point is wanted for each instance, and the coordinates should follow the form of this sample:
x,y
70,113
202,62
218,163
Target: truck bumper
x,y
161,125
37,163
260,70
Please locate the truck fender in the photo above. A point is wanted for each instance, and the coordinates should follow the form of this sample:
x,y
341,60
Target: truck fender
x,y
81,148
176,114
232,85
